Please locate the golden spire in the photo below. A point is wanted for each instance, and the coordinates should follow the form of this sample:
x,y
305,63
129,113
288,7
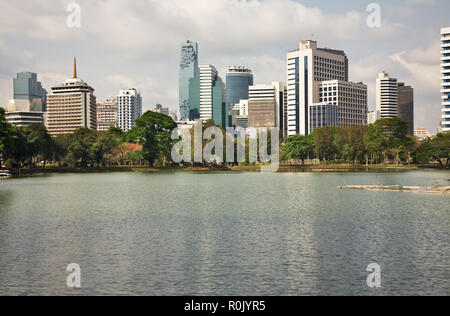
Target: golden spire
x,y
74,68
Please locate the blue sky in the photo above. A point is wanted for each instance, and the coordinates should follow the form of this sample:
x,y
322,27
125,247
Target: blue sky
x,y
123,44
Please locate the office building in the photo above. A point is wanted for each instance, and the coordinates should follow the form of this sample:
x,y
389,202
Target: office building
x,y
263,96
129,108
306,68
106,114
159,109
394,99
445,78
322,115
406,106
351,99
371,117
386,96
27,87
188,71
422,133
207,96
238,80
239,115
22,113
72,105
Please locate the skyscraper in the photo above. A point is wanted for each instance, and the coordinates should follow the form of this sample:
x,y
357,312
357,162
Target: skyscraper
x,y
72,105
209,102
29,101
239,79
445,78
406,106
27,87
386,96
395,99
129,108
306,68
188,71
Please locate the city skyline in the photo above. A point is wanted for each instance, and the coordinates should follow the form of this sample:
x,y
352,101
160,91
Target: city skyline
x,y
37,45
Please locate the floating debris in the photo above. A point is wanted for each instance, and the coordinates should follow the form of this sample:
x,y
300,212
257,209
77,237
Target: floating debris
x,y
399,188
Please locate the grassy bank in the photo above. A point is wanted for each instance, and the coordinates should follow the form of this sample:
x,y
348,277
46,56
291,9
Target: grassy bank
x,y
240,168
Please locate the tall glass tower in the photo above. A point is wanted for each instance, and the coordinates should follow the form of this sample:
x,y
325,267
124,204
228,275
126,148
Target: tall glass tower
x,y
239,79
188,71
27,87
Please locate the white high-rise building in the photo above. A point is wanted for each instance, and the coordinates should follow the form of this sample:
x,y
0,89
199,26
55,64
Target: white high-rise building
x,y
70,106
351,99
129,108
208,77
386,96
307,67
445,78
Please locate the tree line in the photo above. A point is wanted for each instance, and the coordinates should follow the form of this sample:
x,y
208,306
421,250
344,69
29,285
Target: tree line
x,y
385,141
150,143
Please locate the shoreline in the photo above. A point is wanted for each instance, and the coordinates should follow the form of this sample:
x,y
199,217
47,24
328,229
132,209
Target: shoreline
x,y
320,168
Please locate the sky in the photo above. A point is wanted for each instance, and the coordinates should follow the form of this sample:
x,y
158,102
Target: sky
x,y
123,44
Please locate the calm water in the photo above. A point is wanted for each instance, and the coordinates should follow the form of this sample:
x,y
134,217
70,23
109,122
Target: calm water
x,y
223,234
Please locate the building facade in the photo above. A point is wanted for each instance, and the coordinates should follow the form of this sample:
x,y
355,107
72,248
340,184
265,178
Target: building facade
x,y
406,106
239,115
207,100
306,68
445,78
322,115
238,80
129,108
259,95
371,117
188,70
27,87
24,118
422,133
386,96
106,114
351,99
70,106
159,109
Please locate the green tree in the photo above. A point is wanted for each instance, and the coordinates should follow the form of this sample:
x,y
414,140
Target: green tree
x,y
80,147
325,146
440,149
388,138
40,143
105,142
153,131
298,147
6,133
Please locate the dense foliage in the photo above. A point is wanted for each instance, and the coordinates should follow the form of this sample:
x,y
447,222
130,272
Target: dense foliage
x,y
386,141
30,146
149,142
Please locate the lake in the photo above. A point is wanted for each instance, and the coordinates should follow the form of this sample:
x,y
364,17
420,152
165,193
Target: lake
x,y
223,233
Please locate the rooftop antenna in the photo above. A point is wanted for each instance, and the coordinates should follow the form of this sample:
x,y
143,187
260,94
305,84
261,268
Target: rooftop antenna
x,y
75,68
